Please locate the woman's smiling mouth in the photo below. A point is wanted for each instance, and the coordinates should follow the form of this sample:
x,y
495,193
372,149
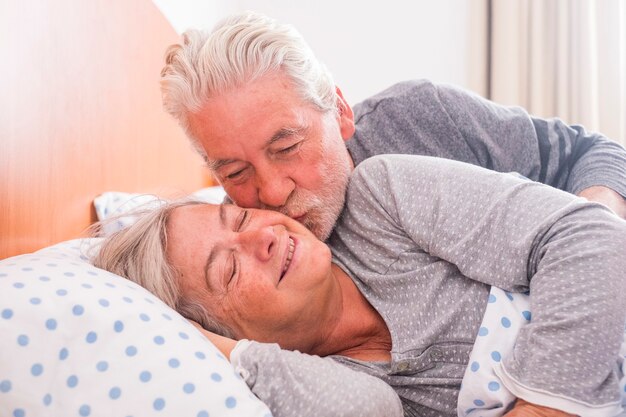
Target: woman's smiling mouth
x,y
290,250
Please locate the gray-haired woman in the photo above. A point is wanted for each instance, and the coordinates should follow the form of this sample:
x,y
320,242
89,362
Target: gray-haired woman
x,y
383,320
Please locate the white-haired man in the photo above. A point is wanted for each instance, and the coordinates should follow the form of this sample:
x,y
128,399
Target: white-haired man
x,y
278,134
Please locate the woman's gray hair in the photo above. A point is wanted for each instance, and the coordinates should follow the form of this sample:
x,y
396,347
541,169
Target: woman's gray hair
x,y
240,49
139,253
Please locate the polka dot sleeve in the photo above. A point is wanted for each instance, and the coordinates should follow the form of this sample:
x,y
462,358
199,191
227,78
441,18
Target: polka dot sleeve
x,y
517,235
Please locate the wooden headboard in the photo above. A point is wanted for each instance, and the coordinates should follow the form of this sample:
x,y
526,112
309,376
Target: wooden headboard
x,y
80,114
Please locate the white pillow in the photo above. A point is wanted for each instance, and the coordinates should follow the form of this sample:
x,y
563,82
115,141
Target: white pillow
x,y
114,203
80,341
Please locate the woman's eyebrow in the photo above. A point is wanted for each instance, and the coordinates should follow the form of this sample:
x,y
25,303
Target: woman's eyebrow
x,y
214,250
222,215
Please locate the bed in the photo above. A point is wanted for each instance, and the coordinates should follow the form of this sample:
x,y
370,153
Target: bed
x,y
84,138
81,116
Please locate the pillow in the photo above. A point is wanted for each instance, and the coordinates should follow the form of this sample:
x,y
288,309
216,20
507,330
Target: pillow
x,y
80,341
113,203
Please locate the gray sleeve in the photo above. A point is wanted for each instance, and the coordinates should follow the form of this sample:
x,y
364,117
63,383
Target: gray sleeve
x,y
574,159
517,235
293,384
421,118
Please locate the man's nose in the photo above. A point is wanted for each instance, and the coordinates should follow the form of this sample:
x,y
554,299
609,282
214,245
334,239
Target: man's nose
x,y
261,242
273,187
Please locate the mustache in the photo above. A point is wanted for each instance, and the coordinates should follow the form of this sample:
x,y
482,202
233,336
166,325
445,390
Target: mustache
x,y
299,202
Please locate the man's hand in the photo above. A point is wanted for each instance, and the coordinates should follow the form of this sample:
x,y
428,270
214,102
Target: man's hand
x,y
224,344
525,409
606,196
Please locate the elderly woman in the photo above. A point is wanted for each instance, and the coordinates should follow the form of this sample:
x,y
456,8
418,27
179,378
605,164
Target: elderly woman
x,y
384,319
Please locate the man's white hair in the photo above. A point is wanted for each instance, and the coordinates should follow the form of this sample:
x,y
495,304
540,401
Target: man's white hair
x,y
240,49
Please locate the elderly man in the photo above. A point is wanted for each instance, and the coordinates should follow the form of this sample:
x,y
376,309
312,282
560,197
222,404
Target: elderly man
x,y
274,128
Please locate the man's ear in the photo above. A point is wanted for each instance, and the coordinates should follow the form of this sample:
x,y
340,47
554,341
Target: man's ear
x,y
345,116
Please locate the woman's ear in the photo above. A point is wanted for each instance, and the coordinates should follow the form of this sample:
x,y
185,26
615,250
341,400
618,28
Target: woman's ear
x,y
345,116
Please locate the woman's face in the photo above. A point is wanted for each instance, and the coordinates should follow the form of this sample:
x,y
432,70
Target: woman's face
x,y
260,272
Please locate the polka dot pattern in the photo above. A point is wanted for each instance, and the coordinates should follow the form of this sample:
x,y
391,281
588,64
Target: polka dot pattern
x,y
426,260
63,320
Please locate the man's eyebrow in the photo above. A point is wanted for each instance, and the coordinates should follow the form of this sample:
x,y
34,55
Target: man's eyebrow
x,y
214,251
284,133
214,165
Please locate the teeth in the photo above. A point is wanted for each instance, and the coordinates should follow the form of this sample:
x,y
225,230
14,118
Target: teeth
x,y
289,255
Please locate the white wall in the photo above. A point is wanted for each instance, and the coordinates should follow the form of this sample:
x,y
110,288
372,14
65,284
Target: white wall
x,y
367,46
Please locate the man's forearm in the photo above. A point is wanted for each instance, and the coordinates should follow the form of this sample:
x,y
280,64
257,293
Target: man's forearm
x,y
606,196
525,409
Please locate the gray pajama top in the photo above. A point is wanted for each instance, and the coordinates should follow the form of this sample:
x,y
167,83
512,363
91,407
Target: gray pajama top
x,y
424,239
419,117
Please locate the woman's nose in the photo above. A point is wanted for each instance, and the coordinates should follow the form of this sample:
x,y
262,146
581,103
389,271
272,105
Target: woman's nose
x,y
261,242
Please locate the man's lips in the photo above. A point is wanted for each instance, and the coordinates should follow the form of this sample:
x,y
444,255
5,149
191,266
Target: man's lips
x,y
299,218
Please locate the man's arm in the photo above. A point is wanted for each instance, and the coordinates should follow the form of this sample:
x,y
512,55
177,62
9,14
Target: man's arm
x,y
525,409
422,118
606,196
517,235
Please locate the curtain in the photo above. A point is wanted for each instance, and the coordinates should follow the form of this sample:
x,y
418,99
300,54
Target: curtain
x,y
561,58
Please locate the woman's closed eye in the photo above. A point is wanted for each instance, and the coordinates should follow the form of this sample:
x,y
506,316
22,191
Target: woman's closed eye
x,y
232,262
242,220
233,269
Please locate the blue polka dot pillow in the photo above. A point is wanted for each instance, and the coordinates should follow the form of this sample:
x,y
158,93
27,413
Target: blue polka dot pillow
x,y
79,341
